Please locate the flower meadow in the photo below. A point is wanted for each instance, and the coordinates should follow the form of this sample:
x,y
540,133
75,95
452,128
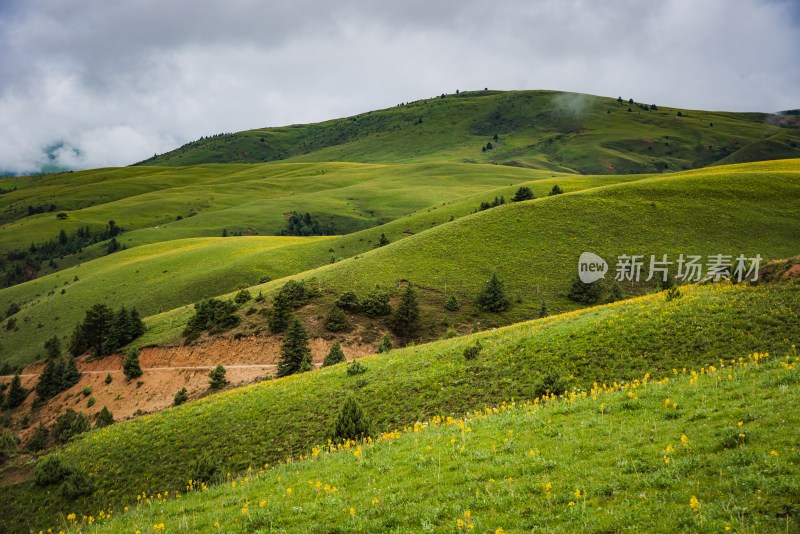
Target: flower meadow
x,y
597,352
646,455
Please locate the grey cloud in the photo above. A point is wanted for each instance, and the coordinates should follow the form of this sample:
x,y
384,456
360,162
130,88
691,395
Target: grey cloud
x,y
116,82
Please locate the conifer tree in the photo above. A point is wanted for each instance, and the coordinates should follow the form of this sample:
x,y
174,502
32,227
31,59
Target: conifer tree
x,y
555,191
53,347
382,241
16,393
335,355
522,194
217,376
295,352
452,303
405,319
180,397
96,325
281,313
492,297
350,423
71,374
130,366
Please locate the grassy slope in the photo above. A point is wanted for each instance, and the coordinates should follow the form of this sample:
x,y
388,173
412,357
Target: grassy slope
x,y
42,300
239,197
268,421
749,209
614,462
541,129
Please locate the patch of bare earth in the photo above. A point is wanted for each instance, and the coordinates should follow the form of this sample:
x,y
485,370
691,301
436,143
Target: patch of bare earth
x,y
165,370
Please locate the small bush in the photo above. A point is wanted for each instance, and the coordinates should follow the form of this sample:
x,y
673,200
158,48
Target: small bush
x,y
104,418
204,468
356,368
180,397
76,484
51,470
242,297
39,440
336,321
472,352
86,391
9,443
376,303
452,303
108,378
90,403
451,333
551,382
348,301
70,424
386,344
585,293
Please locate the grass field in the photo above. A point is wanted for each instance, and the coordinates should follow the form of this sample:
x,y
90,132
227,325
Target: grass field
x,y
273,420
714,452
746,209
182,270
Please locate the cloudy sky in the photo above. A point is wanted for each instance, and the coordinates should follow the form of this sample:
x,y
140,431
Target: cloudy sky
x,y
99,83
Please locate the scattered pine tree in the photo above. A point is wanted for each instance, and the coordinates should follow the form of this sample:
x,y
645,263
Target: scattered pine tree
x,y
492,297
452,303
522,194
350,423
16,393
335,355
217,378
180,397
130,366
405,319
555,191
382,241
280,314
295,351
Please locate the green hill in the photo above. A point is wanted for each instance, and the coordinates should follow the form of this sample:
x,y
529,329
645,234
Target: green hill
x,y
273,420
180,269
747,209
535,245
594,463
549,130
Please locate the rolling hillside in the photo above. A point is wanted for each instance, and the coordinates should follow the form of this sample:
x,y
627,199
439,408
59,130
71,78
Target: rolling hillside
x,y
746,209
273,420
548,130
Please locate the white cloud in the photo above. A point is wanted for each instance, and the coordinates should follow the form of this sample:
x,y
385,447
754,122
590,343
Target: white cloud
x,y
116,82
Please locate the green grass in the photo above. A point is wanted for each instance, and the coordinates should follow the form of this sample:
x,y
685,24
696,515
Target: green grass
x,y
745,209
209,266
272,420
614,461
541,129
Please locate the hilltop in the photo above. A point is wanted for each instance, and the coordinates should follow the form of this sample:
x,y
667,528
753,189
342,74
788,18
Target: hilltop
x,y
557,131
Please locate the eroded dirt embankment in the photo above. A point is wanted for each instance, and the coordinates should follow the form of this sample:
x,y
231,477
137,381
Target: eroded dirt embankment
x,y
165,371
